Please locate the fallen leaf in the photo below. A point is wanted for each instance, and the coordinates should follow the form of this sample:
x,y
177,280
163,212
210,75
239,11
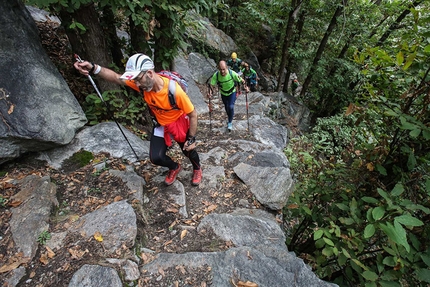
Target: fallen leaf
x,y
117,198
15,203
168,242
370,166
14,265
246,284
211,208
161,271
11,108
293,206
350,109
228,195
183,233
172,210
49,252
181,269
44,258
98,236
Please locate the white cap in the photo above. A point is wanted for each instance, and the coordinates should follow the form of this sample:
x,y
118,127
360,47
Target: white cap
x,y
136,64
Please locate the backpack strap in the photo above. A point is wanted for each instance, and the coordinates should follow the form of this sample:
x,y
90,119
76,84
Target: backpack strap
x,y
172,94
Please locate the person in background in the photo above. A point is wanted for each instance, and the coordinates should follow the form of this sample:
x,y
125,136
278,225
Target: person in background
x,y
234,62
250,76
179,123
226,80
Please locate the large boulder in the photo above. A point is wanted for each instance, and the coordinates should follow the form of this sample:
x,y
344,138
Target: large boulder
x,y
37,109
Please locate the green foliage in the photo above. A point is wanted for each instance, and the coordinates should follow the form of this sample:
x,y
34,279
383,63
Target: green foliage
x,y
363,186
126,108
43,237
3,201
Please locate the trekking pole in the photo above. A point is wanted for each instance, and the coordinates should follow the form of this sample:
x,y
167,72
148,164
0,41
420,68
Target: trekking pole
x,y
246,99
210,106
107,107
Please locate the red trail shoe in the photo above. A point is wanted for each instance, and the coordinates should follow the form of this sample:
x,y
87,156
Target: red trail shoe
x,y
197,177
171,176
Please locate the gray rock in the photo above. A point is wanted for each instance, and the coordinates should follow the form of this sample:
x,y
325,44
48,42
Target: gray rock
x,y
95,276
31,217
116,222
181,66
271,185
37,108
134,182
104,137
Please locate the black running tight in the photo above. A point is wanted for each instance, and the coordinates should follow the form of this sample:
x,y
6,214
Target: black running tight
x,y
158,156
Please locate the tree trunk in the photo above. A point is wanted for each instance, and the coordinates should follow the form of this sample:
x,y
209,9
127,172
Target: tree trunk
x,y
108,20
296,5
291,60
90,45
322,46
139,39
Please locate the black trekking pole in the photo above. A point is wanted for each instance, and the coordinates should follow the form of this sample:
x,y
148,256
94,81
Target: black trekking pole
x,y
246,99
107,107
210,105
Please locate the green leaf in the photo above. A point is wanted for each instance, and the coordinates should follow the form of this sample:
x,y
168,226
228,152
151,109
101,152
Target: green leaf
x,y
389,284
397,190
346,253
426,134
369,231
328,241
400,58
369,199
381,169
428,185
412,161
370,275
347,220
356,261
389,261
327,251
427,49
415,133
406,125
408,220
401,233
409,60
396,233
423,275
307,210
378,212
318,234
341,259
342,206
426,259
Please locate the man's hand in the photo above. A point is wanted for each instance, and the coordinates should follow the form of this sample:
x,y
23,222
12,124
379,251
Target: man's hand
x,y
188,147
83,67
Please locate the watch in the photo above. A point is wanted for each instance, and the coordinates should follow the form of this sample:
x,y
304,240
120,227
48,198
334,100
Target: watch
x,y
191,140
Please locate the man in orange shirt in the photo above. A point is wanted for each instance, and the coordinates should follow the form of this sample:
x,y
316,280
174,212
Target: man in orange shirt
x,y
179,122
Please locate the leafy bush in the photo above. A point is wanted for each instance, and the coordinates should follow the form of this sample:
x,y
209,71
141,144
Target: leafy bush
x,y
362,217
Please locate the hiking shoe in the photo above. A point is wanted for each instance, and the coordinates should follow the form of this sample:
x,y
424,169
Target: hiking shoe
x,y
229,127
197,177
171,176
